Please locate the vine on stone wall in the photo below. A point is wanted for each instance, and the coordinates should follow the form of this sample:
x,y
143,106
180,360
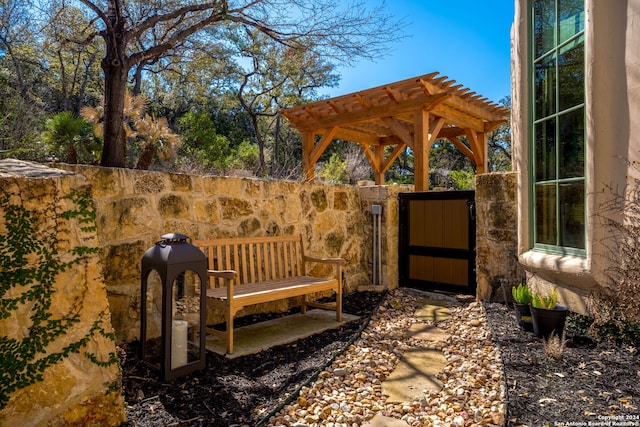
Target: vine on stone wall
x,y
29,266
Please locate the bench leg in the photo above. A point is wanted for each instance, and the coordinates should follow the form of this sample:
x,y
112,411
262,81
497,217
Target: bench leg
x,y
339,306
229,331
303,304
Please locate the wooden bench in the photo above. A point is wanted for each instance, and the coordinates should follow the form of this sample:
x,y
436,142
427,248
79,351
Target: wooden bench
x,y
252,270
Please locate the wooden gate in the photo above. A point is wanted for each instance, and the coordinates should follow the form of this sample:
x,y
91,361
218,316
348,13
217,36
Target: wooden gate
x,y
437,241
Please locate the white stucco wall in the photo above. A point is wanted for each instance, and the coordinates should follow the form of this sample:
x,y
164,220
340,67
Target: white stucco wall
x,y
612,75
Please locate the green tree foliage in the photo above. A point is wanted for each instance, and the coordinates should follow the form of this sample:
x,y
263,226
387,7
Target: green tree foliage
x,y
240,62
201,141
272,76
499,141
344,162
462,179
335,170
244,156
138,33
71,139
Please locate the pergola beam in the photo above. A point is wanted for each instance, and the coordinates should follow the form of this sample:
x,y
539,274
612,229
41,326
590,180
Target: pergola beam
x,y
463,148
400,131
478,143
371,157
322,145
307,148
410,113
392,157
372,113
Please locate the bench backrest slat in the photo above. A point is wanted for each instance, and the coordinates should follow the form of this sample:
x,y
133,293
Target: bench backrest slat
x,y
251,277
255,259
279,260
273,260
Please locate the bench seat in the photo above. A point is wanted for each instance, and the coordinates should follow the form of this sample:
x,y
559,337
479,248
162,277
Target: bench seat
x,y
254,293
253,270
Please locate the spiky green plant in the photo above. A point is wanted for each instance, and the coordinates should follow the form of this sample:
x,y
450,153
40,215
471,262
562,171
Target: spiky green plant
x,y
521,294
546,302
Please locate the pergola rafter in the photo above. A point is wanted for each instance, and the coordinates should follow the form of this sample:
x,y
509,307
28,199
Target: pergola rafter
x,y
411,113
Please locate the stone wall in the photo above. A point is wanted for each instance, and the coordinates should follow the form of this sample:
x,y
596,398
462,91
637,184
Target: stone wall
x,y
136,207
387,198
496,235
54,322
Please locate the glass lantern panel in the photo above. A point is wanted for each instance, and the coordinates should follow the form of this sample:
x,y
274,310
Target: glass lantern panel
x,y
185,319
153,343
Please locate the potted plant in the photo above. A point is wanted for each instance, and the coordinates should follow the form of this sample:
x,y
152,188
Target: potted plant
x,y
546,315
521,303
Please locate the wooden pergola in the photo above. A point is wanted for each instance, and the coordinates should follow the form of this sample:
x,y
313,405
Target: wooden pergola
x,y
410,113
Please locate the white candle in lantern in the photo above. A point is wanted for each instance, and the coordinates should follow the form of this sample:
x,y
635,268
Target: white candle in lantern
x,y
179,343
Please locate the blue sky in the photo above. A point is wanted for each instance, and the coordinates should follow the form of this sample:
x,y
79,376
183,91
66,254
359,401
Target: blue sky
x,y
466,40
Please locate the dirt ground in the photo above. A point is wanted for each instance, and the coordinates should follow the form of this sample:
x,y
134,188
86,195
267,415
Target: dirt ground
x,y
595,382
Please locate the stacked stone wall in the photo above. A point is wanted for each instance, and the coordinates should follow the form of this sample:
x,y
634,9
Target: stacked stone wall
x,y
387,198
135,208
497,267
55,371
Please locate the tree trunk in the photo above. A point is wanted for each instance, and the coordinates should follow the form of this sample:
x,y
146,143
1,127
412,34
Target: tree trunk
x,y
72,155
146,157
137,78
256,130
116,67
275,166
113,150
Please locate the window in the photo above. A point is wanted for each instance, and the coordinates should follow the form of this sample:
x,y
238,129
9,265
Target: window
x,y
557,126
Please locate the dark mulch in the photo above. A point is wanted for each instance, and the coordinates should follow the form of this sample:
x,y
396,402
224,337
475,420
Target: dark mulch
x,y
240,391
592,381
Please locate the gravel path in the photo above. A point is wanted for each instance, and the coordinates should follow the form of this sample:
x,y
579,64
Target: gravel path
x,y
349,392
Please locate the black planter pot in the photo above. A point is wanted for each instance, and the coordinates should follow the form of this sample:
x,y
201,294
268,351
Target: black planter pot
x,y
547,321
523,316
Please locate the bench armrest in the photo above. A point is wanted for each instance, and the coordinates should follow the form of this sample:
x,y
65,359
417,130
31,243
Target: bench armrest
x,y
337,261
223,274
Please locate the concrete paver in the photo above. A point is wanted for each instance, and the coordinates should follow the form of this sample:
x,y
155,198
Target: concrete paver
x,y
427,332
382,421
260,336
432,310
419,366
415,373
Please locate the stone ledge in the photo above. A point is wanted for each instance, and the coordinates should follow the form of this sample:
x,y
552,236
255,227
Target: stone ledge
x,y
19,168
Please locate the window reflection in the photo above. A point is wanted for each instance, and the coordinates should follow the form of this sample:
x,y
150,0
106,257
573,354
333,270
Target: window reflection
x,y
570,18
572,144
571,74
544,23
546,214
558,132
545,139
572,215
546,87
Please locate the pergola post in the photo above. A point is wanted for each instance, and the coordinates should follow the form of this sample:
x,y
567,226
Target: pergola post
x,y
379,158
421,151
307,150
483,165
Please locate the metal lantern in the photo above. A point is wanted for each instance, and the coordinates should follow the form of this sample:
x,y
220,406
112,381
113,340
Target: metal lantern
x,y
173,318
